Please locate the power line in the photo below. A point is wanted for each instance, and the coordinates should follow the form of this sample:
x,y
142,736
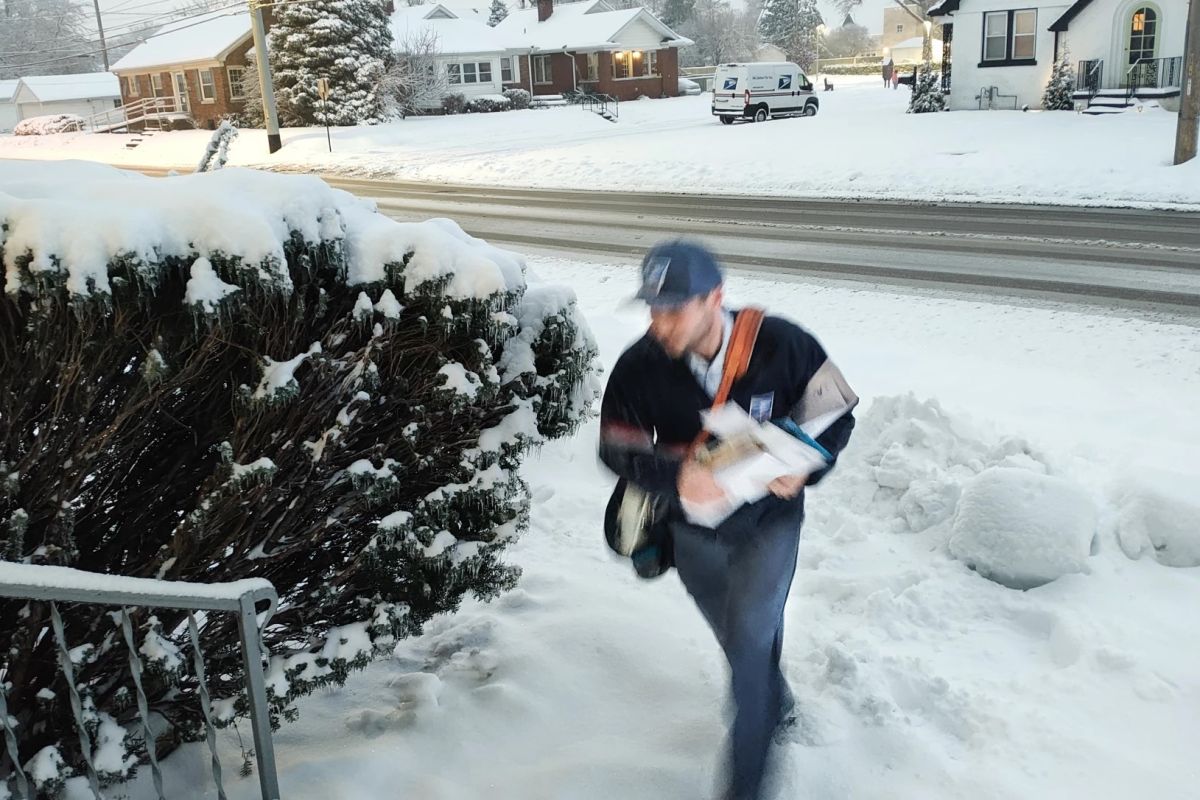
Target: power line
x,y
156,21
210,13
81,53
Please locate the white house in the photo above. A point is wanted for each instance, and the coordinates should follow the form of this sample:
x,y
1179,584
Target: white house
x,y
1001,52
476,59
548,49
85,95
588,45
8,109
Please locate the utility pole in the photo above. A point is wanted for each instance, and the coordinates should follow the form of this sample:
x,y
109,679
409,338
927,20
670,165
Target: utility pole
x,y
1189,95
99,27
264,77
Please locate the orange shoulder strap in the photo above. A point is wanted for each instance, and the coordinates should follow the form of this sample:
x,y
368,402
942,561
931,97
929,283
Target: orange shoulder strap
x,y
737,357
741,346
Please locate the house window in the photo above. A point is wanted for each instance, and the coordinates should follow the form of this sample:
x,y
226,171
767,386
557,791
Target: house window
x,y
506,70
593,67
1009,37
156,84
237,90
634,64
208,87
131,87
542,72
470,72
899,29
995,36
1024,44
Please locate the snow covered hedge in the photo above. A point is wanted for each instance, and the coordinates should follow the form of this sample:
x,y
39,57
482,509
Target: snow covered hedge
x,y
46,125
239,374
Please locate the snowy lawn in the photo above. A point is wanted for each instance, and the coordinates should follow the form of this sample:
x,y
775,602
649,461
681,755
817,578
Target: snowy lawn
x,y
861,145
915,676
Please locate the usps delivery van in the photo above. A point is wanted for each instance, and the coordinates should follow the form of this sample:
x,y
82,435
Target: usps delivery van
x,y
758,91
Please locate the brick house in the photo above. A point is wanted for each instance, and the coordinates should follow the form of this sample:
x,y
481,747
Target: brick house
x,y
591,46
196,68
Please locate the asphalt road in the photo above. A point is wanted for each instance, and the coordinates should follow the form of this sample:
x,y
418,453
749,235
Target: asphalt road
x,y
1144,258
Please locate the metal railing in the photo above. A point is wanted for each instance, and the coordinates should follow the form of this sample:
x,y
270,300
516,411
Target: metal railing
x,y
605,105
60,585
148,110
1153,73
1090,76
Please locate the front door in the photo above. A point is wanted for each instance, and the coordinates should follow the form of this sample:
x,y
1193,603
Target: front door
x,y
1143,36
181,92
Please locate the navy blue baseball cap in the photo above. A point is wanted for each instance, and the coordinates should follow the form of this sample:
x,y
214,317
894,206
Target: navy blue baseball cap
x,y
675,272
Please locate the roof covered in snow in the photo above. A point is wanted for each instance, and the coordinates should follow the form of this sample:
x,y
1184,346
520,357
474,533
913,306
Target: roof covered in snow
x,y
7,90
204,38
86,86
916,41
592,24
455,34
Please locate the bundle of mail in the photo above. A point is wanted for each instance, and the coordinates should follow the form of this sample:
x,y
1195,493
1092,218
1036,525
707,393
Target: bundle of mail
x,y
746,455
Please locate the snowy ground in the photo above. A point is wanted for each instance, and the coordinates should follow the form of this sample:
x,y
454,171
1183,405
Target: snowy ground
x,y
861,145
916,677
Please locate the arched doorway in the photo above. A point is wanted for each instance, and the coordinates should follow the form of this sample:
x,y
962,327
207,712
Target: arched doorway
x,y
1142,35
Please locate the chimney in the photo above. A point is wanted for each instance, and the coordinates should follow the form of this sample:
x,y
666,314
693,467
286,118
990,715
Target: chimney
x,y
545,9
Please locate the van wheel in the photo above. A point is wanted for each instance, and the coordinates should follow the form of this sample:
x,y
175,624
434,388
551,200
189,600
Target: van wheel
x,y
810,109
726,120
760,114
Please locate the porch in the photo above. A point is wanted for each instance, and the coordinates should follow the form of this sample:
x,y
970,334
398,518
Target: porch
x,y
1108,90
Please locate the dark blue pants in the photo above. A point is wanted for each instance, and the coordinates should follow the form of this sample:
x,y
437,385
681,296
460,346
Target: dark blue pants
x,y
739,575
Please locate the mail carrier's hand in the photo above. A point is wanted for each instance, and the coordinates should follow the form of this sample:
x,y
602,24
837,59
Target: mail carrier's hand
x,y
787,486
697,484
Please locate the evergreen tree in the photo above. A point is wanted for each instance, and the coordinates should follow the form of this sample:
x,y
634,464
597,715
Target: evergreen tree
x,y
498,13
792,25
216,153
347,42
279,384
927,91
253,113
1059,95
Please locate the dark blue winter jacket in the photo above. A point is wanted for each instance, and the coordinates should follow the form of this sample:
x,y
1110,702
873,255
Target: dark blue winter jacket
x,y
651,409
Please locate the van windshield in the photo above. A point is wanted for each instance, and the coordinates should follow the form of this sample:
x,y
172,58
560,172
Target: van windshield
x,y
729,85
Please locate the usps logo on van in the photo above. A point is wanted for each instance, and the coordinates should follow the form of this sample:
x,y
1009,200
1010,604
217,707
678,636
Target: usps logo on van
x,y
785,81
730,84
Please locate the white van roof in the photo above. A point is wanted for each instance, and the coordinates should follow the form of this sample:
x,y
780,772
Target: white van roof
x,y
760,64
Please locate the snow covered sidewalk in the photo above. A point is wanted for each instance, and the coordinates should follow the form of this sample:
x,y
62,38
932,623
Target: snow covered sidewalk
x,y
861,145
916,677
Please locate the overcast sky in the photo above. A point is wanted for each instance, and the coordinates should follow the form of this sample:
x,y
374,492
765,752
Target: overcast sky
x,y
120,15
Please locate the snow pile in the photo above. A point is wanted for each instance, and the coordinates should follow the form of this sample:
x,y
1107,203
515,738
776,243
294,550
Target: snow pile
x,y
48,124
149,223
986,156
915,676
1160,516
1022,529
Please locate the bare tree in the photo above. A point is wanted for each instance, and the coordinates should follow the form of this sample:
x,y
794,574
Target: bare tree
x,y
414,82
46,37
720,34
